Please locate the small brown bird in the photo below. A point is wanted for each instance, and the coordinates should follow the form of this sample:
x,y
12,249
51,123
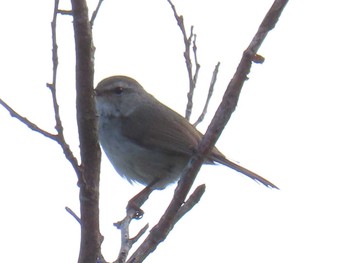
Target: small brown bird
x,y
146,141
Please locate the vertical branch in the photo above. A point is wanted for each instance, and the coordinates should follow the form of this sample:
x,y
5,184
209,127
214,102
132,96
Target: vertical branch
x,y
54,46
87,128
52,86
187,55
194,48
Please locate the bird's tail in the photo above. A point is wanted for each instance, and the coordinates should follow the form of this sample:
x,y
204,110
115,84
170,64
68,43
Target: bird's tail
x,y
245,171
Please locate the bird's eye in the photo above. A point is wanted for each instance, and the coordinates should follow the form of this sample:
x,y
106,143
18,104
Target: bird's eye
x,y
118,90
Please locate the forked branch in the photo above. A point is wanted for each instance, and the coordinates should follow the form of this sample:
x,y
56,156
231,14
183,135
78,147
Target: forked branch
x,y
192,78
59,136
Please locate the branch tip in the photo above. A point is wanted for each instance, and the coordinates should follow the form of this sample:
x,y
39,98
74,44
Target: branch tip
x,y
73,214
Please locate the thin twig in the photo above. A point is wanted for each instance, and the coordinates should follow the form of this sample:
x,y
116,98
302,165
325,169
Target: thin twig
x,y
101,259
133,211
21,118
190,202
55,137
52,87
126,241
27,122
192,83
64,12
187,55
160,231
59,137
94,14
73,214
194,48
210,93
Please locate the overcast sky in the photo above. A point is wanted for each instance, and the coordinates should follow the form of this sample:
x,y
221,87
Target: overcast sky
x,y
291,126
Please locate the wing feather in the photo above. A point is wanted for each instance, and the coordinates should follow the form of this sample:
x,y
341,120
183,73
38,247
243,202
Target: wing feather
x,y
158,129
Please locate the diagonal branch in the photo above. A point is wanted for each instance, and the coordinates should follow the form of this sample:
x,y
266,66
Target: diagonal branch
x,y
222,115
190,202
94,14
27,122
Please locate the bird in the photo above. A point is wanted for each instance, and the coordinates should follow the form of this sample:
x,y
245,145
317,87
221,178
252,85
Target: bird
x,y
146,141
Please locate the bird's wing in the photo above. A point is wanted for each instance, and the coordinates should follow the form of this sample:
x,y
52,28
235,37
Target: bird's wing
x,y
160,129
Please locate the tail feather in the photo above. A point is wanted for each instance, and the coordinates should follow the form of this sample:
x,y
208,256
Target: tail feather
x,y
245,171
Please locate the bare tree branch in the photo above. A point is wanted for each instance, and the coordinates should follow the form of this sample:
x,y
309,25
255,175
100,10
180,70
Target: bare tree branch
x,y
188,41
59,137
94,14
27,122
88,172
210,93
159,232
73,214
187,54
64,12
90,152
197,65
52,87
126,241
101,259
190,202
133,211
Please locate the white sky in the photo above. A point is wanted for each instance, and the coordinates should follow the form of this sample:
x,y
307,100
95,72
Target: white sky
x,y
291,126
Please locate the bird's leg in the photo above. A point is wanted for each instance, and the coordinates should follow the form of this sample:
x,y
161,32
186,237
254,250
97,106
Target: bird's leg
x,y
134,205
